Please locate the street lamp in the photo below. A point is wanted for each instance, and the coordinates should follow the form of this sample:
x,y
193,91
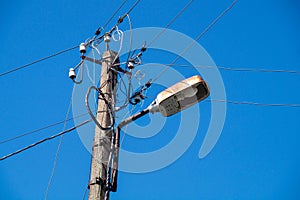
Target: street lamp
x,y
172,100
180,96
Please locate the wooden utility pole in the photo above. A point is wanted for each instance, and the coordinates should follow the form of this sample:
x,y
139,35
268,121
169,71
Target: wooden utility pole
x,y
102,138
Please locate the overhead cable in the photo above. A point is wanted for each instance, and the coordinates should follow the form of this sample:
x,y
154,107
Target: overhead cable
x,y
113,15
58,150
198,38
171,22
112,118
71,48
39,60
44,140
255,103
40,129
238,69
121,19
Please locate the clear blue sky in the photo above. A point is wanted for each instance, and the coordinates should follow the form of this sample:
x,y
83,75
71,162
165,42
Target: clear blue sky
x,y
257,155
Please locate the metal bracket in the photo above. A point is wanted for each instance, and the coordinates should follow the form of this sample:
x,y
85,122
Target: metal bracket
x,y
97,181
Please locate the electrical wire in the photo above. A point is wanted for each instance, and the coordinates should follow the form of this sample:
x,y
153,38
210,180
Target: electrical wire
x,y
58,150
132,7
91,79
71,48
81,66
171,22
120,38
198,38
130,39
238,69
160,33
37,61
127,93
112,119
44,140
121,19
85,192
40,129
255,103
109,164
206,30
113,15
130,112
98,31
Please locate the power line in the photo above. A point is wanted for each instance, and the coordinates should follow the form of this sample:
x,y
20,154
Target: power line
x,y
238,69
198,38
39,60
113,15
58,150
84,195
71,48
44,140
120,20
259,70
206,30
255,103
40,129
171,22
132,7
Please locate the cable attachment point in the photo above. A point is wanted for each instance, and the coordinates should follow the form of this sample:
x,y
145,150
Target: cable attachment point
x,y
72,74
121,19
82,48
106,38
98,31
138,96
131,63
136,59
144,48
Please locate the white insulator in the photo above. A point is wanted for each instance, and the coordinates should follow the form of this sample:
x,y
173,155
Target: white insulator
x,y
106,38
82,48
72,74
130,65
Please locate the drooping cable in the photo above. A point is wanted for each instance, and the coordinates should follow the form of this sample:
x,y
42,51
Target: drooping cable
x,y
119,39
112,119
81,66
44,140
